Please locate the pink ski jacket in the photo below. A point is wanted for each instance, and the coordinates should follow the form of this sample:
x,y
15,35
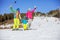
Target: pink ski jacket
x,y
29,14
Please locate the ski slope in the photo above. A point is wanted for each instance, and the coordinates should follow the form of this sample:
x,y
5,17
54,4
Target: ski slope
x,y
43,28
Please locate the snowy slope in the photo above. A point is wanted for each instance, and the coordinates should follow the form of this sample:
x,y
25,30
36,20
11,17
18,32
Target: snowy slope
x,y
45,30
44,21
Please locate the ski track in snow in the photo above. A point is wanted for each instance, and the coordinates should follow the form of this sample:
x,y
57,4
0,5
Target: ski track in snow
x,y
45,30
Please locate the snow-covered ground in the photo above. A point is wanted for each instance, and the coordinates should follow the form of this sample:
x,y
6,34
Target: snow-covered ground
x,y
6,25
46,28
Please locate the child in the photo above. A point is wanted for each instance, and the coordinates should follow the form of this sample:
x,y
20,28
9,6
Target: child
x,y
24,22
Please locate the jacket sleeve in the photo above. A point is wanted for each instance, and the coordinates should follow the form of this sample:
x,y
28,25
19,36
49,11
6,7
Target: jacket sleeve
x,y
12,10
33,10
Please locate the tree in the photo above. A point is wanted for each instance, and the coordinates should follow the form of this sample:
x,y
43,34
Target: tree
x,y
0,18
5,16
11,15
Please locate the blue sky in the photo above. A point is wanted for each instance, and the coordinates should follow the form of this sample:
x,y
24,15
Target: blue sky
x,y
42,5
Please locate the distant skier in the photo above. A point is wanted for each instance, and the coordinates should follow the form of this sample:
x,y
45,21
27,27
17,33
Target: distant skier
x,y
29,15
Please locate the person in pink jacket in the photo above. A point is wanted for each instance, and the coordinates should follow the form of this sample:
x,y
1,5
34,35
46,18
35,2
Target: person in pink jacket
x,y
29,16
30,13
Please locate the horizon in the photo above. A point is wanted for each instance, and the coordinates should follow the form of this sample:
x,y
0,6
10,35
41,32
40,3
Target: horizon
x,y
43,6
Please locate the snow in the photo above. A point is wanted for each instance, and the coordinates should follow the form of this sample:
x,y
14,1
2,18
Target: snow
x,y
47,28
7,25
44,22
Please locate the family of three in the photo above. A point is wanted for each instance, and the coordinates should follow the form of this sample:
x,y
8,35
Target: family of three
x,y
26,21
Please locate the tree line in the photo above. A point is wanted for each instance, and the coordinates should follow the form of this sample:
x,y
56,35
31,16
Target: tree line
x,y
6,17
11,15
